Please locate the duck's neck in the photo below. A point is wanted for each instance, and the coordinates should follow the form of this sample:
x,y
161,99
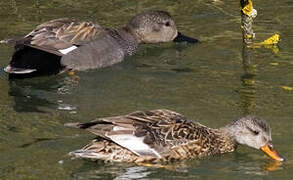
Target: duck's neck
x,y
226,142
211,142
228,131
127,41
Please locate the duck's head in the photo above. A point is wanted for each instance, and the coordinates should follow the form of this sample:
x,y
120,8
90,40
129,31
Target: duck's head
x,y
156,26
253,132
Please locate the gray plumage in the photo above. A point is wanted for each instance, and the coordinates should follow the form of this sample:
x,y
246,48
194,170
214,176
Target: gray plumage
x,y
85,45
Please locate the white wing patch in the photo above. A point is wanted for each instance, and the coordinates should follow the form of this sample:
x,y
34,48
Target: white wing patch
x,y
67,50
134,144
119,128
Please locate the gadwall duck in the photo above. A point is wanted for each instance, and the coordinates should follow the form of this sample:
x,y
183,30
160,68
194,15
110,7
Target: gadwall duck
x,y
164,135
65,44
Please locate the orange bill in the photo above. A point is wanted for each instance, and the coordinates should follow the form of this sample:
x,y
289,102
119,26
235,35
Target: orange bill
x,y
270,151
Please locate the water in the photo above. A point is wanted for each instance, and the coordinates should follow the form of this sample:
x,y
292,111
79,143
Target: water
x,y
207,82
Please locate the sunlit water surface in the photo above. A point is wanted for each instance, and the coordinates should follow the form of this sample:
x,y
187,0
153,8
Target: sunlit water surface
x,y
208,83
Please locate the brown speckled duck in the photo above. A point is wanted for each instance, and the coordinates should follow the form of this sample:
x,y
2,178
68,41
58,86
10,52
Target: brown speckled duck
x,y
66,44
164,135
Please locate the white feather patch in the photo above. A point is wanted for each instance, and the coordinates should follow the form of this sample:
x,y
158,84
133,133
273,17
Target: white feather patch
x,y
118,128
7,69
134,144
11,70
87,154
67,50
25,71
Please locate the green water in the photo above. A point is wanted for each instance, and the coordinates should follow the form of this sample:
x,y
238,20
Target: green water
x,y
208,83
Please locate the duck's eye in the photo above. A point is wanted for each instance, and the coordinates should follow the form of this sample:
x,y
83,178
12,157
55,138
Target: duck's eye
x,y
167,23
255,132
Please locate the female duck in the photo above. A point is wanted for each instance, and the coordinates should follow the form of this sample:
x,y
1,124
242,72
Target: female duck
x,y
66,44
163,135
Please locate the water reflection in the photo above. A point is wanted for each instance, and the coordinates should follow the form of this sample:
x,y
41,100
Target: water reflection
x,y
273,166
14,6
39,94
117,171
235,164
259,169
28,100
248,89
249,83
136,172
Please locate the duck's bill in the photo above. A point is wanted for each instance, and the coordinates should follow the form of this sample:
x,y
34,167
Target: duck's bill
x,y
272,153
182,38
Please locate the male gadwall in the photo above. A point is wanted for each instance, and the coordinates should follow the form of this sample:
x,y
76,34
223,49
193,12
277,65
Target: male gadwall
x,y
65,44
163,135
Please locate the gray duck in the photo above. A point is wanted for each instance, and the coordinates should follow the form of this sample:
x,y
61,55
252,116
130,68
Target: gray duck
x,y
163,136
66,44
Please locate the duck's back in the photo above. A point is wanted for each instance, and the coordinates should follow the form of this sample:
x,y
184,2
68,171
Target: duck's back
x,y
59,34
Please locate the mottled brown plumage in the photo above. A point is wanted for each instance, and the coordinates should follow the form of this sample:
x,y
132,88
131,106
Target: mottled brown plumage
x,y
163,135
167,135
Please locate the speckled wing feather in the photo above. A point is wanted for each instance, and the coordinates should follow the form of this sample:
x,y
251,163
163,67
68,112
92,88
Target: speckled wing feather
x,y
63,33
159,133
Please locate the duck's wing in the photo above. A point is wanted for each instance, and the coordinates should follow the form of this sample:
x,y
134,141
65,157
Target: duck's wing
x,y
62,35
145,133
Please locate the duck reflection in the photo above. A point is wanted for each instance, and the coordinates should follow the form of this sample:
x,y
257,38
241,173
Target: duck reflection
x,y
273,166
39,94
28,100
115,171
262,169
166,58
136,172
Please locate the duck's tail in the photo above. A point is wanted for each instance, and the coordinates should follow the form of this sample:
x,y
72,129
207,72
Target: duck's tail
x,y
14,41
29,62
7,41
